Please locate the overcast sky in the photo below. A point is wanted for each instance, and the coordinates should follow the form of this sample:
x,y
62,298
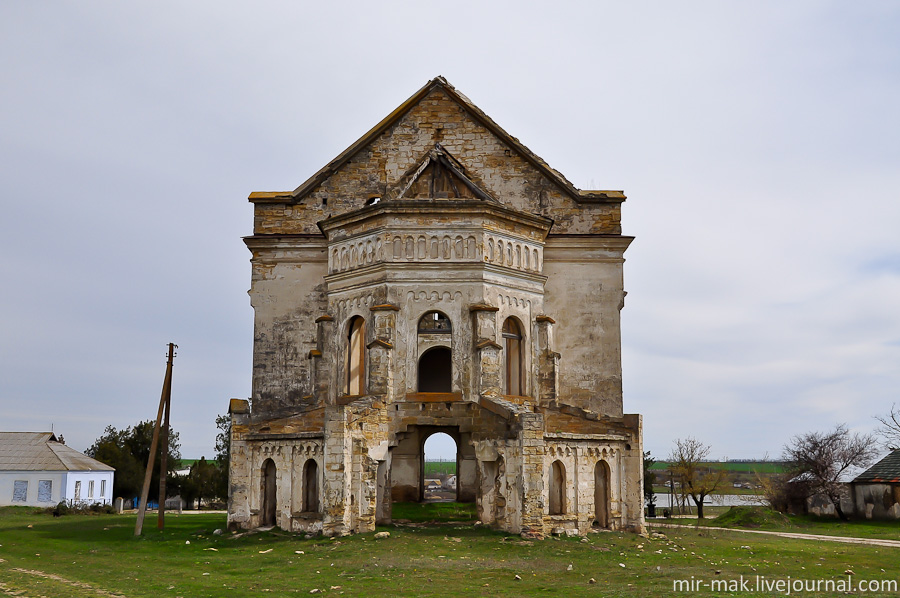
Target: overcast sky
x,y
758,144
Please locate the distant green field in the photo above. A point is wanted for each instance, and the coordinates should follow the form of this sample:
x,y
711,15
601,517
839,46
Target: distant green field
x,y
437,467
734,467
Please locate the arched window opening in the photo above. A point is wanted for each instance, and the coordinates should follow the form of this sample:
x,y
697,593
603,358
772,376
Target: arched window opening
x,y
268,493
601,494
434,322
436,370
356,357
512,357
557,489
311,486
439,464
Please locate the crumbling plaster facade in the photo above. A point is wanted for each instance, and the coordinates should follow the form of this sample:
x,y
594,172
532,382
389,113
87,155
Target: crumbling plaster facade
x,y
437,276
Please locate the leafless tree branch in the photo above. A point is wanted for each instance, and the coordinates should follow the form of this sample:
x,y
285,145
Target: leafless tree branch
x,y
890,427
820,458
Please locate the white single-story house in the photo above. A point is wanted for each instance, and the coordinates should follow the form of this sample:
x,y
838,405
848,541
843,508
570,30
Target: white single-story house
x,y
39,471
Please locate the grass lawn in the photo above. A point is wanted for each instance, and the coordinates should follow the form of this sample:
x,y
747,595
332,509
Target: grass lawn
x,y
79,556
765,519
434,511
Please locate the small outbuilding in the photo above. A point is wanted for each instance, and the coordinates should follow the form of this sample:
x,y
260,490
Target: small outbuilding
x,y
876,491
38,470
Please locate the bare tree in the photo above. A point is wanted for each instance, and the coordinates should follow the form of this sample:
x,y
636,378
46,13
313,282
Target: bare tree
x,y
698,477
890,427
819,459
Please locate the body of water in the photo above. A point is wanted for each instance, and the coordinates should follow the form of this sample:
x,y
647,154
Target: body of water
x,y
717,500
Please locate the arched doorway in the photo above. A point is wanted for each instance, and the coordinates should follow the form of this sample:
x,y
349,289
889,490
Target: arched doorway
x,y
267,513
435,370
407,463
601,494
311,486
439,468
557,489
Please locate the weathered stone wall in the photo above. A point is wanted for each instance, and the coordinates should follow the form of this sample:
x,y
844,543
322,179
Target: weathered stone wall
x,y
819,504
493,164
584,293
876,501
247,494
239,489
494,234
287,294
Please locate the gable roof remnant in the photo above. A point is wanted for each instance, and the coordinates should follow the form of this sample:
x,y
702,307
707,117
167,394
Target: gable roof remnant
x,y
886,471
443,164
41,451
587,196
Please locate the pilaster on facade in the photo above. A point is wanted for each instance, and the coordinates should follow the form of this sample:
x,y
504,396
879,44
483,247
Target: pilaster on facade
x,y
338,464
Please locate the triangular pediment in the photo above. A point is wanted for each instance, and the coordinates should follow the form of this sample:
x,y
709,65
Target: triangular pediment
x,y
438,176
438,146
386,129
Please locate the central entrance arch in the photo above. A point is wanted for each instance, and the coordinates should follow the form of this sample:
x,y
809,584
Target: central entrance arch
x,y
408,473
440,460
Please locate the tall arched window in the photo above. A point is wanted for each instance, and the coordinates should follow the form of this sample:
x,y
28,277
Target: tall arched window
x,y
557,489
512,358
356,357
311,486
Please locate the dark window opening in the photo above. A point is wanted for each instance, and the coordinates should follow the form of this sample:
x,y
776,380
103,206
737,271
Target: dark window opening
x,y
557,489
268,493
311,487
435,370
601,494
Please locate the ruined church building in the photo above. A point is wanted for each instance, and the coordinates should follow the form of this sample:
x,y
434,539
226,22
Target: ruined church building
x,y
437,276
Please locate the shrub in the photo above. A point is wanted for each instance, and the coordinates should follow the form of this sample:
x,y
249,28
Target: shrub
x,y
752,517
66,507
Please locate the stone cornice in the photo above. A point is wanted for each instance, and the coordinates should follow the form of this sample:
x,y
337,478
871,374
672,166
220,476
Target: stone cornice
x,y
385,307
381,270
420,207
483,307
586,248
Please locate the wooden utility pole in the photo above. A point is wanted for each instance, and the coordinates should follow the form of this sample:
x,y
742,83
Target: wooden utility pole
x,y
163,403
163,459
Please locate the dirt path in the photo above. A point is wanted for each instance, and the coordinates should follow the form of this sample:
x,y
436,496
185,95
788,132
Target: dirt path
x,y
57,582
844,539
